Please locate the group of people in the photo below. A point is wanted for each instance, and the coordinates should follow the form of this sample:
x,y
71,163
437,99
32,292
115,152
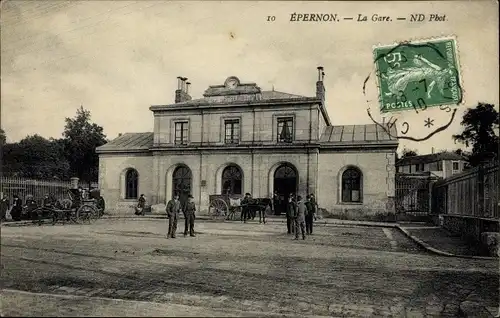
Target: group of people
x,y
15,211
300,214
174,208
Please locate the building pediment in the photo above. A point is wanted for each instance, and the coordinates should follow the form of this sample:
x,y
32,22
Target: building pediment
x,y
234,88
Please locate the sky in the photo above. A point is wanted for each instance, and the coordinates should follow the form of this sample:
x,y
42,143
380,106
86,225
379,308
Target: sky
x,y
117,58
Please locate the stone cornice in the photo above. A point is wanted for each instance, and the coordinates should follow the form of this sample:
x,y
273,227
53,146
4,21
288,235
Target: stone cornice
x,y
235,104
245,148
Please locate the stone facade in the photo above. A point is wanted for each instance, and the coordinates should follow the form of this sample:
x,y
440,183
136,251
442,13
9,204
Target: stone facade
x,y
317,151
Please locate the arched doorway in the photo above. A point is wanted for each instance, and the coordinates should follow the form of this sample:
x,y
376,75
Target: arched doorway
x,y
182,179
232,178
285,183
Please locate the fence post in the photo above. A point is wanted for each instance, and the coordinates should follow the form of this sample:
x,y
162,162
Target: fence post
x,y
480,190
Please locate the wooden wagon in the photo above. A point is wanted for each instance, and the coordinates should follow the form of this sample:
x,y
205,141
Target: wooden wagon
x,y
225,206
73,210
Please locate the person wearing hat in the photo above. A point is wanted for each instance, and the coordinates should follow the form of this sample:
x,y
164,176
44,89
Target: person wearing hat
x,y
291,210
299,218
139,209
311,213
17,208
31,206
189,216
245,211
173,209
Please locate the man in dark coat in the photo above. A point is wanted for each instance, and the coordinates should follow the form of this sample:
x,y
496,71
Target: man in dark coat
x,y
245,213
17,208
47,201
31,206
173,209
311,213
140,205
299,218
189,216
276,203
4,207
291,210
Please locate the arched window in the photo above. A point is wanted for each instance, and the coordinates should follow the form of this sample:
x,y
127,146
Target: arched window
x,y
232,178
351,185
131,184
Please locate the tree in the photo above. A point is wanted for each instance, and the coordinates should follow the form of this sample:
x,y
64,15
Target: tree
x,y
81,137
408,153
35,157
3,137
479,126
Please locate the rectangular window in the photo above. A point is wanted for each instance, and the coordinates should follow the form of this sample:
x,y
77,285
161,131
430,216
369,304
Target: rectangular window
x,y
439,166
455,166
419,167
285,129
181,132
232,128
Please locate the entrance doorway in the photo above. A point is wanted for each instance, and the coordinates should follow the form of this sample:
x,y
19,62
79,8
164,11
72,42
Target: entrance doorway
x,y
285,183
182,183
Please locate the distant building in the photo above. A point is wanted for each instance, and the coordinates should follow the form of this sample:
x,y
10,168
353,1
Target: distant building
x,y
239,139
443,164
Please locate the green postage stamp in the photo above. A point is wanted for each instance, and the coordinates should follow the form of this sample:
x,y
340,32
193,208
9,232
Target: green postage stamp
x,y
417,75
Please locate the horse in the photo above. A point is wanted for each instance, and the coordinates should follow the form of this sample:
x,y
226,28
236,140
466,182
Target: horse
x,y
254,205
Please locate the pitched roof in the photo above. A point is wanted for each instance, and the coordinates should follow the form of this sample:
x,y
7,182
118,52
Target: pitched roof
x,y
429,158
357,134
267,95
129,142
217,100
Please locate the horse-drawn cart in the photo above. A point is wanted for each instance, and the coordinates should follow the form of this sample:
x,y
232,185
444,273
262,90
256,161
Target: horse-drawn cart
x,y
226,206
73,210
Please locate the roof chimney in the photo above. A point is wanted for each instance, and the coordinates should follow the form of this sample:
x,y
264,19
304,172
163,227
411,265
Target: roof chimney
x,y
181,94
320,87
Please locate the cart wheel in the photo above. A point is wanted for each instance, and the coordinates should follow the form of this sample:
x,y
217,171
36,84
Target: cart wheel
x,y
219,209
39,215
86,213
74,216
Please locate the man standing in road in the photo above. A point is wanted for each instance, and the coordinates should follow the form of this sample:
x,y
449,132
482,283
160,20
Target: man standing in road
x,y
189,216
291,210
173,209
299,219
244,208
311,213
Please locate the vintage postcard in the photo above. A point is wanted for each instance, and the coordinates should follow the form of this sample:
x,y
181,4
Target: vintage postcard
x,y
249,158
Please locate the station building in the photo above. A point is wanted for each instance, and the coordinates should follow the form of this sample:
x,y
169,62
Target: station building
x,y
238,138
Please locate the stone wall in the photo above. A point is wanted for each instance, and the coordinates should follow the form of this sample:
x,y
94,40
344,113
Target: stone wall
x,y
378,184
112,169
469,227
256,126
317,173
